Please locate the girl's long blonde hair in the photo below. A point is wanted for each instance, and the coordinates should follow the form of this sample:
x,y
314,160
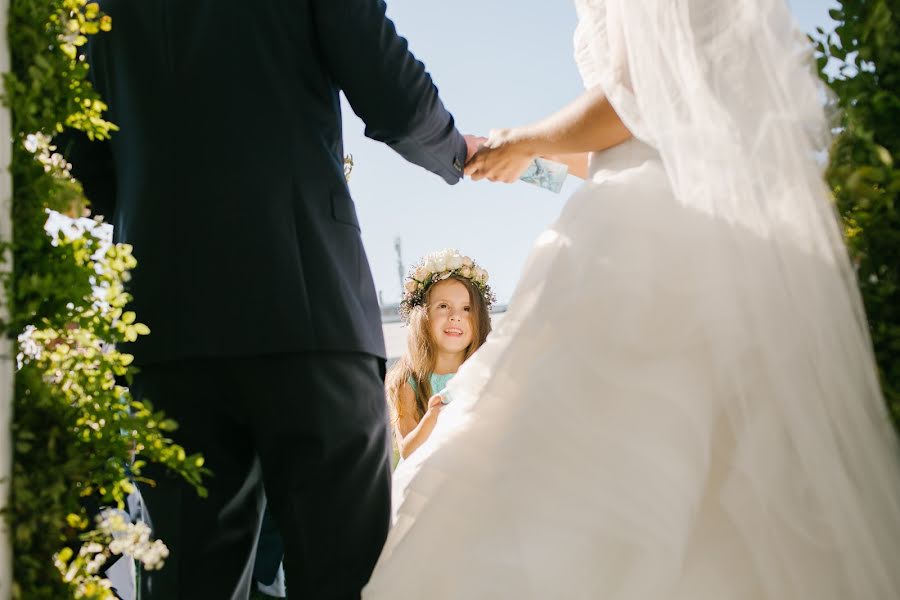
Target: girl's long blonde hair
x,y
421,355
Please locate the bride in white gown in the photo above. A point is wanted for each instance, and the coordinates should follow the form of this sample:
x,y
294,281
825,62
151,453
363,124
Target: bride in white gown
x,y
681,402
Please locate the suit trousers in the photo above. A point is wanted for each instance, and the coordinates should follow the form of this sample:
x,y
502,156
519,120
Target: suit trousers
x,y
311,429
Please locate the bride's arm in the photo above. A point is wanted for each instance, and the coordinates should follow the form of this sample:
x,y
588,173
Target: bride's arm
x,y
589,124
577,163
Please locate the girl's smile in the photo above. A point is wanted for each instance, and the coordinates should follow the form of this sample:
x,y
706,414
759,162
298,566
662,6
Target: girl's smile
x,y
450,316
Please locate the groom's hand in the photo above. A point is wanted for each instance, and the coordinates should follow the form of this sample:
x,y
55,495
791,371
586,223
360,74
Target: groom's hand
x,y
473,143
503,157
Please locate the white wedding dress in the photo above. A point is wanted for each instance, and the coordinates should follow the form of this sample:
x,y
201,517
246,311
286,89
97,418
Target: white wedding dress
x,y
680,402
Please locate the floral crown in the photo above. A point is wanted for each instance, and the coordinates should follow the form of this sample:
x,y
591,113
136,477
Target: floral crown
x,y
437,267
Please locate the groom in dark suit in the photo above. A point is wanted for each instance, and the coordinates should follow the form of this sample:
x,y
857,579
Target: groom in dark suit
x,y
266,345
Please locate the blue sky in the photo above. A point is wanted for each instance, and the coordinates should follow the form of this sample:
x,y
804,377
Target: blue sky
x,y
497,63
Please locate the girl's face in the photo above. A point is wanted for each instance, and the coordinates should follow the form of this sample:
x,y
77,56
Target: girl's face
x,y
450,316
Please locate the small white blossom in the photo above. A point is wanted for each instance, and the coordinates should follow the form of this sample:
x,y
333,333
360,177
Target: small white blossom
x,y
29,348
95,564
132,539
33,142
44,152
454,262
436,263
90,548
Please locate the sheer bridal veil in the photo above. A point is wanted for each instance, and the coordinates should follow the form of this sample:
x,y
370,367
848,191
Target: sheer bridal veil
x,y
726,91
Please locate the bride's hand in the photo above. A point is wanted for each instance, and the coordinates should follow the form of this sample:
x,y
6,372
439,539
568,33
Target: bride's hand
x,y
503,157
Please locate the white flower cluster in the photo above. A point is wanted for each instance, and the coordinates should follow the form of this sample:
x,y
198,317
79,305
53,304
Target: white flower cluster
x,y
443,264
114,535
29,348
95,555
132,539
45,153
438,266
50,347
83,571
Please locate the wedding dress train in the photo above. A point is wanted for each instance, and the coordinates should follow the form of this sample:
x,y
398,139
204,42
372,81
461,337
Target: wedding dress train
x,y
680,402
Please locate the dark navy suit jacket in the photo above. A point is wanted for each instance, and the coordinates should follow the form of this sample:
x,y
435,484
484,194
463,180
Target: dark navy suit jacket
x,y
227,173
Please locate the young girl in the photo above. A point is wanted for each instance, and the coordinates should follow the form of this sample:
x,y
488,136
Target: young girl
x,y
445,304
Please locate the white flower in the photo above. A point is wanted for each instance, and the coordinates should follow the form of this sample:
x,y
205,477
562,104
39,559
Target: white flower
x,y
90,548
411,285
454,262
29,347
132,539
421,274
94,565
31,142
466,271
448,259
468,262
56,163
53,162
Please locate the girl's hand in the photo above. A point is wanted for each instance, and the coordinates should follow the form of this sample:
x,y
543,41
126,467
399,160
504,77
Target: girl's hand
x,y
503,157
435,404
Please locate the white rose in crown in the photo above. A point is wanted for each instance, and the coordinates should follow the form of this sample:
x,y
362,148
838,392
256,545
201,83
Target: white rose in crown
x,y
439,266
455,262
436,262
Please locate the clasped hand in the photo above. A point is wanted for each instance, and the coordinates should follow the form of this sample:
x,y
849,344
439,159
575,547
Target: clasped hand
x,y
502,156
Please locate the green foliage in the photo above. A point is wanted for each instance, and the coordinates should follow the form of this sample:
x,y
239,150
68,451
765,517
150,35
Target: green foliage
x,y
47,87
863,55
76,429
